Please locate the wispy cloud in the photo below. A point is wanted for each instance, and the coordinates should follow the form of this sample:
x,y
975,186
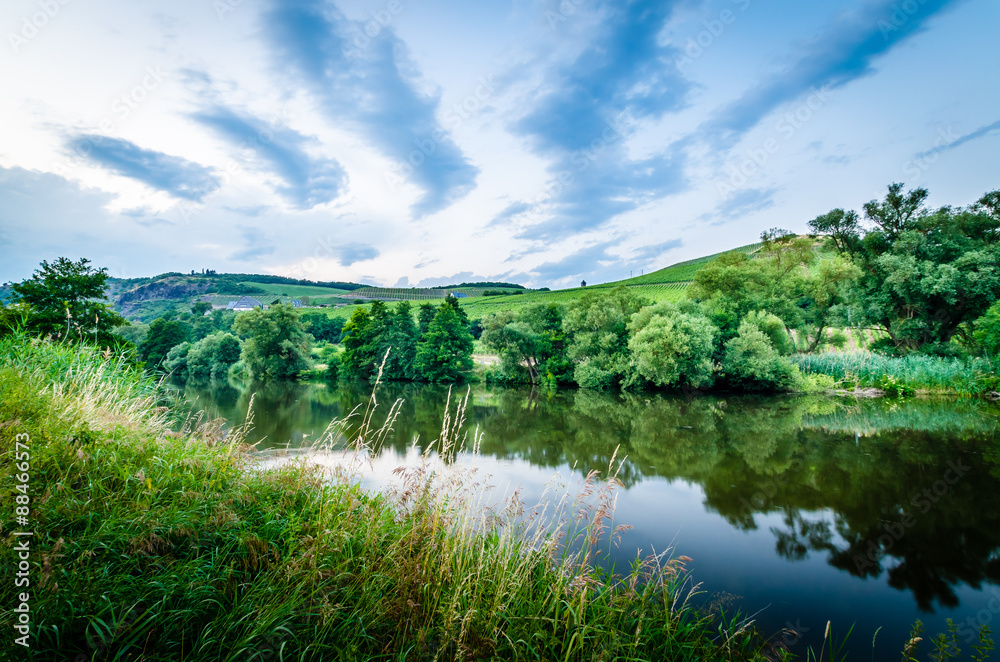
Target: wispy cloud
x,y
177,176
624,76
308,181
961,140
373,90
745,202
841,54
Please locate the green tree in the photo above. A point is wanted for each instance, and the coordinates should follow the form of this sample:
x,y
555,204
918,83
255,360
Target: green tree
x,y
66,302
425,315
358,360
322,327
598,326
276,345
751,363
530,343
925,275
199,308
161,337
672,348
211,357
444,353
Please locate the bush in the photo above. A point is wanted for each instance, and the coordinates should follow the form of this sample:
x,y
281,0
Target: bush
x,y
774,329
671,348
751,363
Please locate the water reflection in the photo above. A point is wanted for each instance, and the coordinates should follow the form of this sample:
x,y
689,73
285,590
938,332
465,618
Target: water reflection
x,y
903,493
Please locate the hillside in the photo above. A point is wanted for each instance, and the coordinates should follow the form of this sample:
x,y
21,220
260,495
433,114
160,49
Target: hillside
x,y
147,298
667,284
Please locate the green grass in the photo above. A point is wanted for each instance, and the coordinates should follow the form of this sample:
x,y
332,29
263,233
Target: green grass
x,y
682,271
156,545
916,371
297,291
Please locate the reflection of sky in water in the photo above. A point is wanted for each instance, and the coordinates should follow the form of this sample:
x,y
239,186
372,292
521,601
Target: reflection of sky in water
x,y
689,465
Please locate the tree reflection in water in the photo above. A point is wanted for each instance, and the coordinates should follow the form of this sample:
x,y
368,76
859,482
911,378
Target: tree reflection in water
x,y
866,482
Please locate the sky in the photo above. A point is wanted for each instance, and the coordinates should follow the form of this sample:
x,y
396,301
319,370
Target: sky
x,y
422,142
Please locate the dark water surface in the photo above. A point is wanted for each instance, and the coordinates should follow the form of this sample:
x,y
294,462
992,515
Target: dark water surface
x,y
798,509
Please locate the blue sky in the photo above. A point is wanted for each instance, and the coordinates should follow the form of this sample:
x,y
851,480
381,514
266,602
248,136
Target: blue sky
x,y
422,142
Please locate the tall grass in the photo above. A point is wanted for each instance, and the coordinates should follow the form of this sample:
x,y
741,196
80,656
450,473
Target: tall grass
x,y
917,371
155,545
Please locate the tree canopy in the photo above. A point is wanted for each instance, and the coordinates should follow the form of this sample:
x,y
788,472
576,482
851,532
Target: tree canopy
x,y
66,301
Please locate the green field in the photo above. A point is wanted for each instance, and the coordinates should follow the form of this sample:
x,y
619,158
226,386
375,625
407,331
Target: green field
x,y
282,289
667,284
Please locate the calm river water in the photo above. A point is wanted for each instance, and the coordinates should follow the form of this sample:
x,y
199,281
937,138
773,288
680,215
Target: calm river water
x,y
871,513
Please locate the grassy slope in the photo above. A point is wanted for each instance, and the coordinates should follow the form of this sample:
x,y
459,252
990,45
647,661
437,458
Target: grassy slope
x,y
667,284
159,546
297,290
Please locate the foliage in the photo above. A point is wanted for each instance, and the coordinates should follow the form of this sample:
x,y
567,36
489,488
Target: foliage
x,y
322,327
276,344
14,317
212,356
65,299
987,331
773,328
444,353
359,360
751,363
925,274
530,343
161,337
175,361
914,371
598,326
196,557
672,348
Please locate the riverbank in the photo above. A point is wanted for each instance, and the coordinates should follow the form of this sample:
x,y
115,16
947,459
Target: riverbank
x,y
156,545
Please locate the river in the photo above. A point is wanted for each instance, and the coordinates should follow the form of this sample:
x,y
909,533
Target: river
x,y
797,510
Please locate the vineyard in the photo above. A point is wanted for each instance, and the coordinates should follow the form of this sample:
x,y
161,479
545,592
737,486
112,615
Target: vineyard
x,y
417,293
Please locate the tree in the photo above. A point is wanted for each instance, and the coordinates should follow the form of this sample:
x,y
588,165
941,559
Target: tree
x,y
425,315
199,308
598,326
162,336
322,327
924,275
276,345
672,348
444,353
65,299
751,363
358,360
529,341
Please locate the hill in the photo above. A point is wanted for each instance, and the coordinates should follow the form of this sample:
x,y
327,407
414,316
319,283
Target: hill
x,y
667,284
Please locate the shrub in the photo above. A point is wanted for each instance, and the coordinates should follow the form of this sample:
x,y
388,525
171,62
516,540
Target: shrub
x,y
671,348
751,363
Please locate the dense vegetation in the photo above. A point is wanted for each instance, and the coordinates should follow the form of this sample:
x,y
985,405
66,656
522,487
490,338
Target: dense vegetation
x,y
163,546
902,280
